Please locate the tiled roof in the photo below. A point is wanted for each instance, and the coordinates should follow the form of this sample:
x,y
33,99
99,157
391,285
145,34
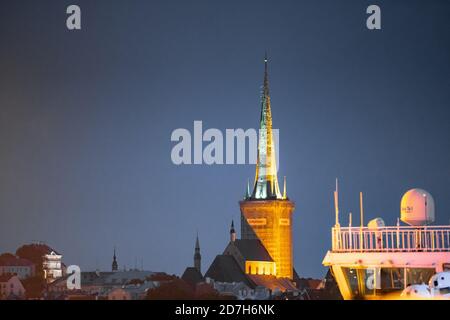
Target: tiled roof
x,y
272,282
225,269
15,262
6,276
252,250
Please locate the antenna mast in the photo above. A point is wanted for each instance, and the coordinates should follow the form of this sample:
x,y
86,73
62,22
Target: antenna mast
x,y
336,204
361,208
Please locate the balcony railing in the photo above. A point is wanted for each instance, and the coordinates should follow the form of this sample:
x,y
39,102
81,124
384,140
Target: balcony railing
x,y
391,239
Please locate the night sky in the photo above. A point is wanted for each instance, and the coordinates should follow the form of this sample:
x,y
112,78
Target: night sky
x,y
86,118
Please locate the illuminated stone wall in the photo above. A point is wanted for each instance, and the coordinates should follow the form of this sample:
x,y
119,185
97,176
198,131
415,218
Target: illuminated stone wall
x,y
261,268
271,222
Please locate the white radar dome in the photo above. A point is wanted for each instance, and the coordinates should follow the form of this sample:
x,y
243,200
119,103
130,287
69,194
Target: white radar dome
x,y
417,208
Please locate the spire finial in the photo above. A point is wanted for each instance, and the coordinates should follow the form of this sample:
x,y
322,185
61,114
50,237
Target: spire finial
x,y
266,75
197,242
284,191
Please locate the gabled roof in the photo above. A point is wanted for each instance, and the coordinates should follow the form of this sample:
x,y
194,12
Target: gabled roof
x,y
6,277
252,250
225,269
192,276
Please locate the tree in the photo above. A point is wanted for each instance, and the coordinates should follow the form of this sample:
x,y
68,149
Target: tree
x,y
34,286
35,253
173,290
161,276
7,256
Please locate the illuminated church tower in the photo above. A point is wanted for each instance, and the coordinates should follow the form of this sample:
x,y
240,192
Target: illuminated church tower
x,y
266,214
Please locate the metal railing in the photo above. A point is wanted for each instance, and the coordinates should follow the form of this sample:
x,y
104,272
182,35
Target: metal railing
x,y
391,239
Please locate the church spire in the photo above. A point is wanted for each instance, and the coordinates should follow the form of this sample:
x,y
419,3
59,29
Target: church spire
x,y
232,232
197,256
197,243
115,266
266,181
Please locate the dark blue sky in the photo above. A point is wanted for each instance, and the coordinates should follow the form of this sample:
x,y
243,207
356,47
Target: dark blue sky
x,y
86,119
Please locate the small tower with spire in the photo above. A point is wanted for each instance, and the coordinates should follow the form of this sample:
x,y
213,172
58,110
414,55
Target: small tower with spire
x,y
197,256
232,232
115,266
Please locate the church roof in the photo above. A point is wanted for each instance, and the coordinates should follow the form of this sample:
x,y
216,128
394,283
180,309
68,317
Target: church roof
x,y
225,269
252,250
